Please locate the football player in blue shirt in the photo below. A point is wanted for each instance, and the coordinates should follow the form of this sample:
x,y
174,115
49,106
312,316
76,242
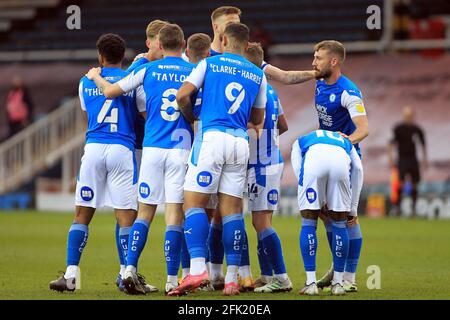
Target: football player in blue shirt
x,y
197,48
108,174
320,182
167,143
234,93
340,108
154,53
220,18
263,178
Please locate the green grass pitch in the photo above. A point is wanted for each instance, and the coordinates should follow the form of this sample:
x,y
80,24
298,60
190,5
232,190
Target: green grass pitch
x,y
413,256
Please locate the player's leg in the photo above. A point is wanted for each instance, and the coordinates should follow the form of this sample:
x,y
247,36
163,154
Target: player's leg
x,y
340,251
339,203
215,245
173,242
196,228
402,173
245,278
308,248
175,170
122,231
231,190
119,283
136,243
264,190
125,219
415,179
185,257
354,251
202,179
266,270
150,194
89,195
233,234
312,173
272,252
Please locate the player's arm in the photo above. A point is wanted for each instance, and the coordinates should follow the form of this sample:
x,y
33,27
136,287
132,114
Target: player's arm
x,y
190,86
184,100
82,104
356,179
361,131
113,90
282,121
288,77
259,106
424,148
391,149
109,90
141,101
352,101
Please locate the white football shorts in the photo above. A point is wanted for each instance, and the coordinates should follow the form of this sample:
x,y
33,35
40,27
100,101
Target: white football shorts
x,y
263,187
324,177
218,163
107,177
161,177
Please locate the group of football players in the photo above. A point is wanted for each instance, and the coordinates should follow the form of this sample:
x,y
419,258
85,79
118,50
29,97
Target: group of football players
x,y
141,152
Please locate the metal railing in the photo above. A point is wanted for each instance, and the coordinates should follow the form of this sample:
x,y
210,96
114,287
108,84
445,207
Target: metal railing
x,y
58,136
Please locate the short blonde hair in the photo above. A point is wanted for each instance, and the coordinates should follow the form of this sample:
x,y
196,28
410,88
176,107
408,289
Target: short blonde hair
x,y
224,11
198,43
154,27
255,53
171,37
333,47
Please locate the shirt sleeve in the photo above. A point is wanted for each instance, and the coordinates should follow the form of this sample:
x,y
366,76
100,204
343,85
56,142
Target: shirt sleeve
x,y
197,76
80,94
264,65
133,80
141,99
261,98
352,101
356,180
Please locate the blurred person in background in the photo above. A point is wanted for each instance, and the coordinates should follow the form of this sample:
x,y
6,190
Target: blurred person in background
x,y
19,106
406,135
259,34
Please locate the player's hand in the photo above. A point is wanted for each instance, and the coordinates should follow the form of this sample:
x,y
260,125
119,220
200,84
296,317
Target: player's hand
x,y
352,221
324,216
343,135
94,72
316,73
140,55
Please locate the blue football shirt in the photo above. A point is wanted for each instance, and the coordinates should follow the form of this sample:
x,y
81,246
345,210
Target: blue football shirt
x,y
110,121
165,126
337,104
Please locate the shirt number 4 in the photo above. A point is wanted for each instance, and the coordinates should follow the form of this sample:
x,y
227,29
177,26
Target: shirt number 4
x,y
112,119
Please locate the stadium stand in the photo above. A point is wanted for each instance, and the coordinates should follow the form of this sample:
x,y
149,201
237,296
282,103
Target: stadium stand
x,y
287,21
40,27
